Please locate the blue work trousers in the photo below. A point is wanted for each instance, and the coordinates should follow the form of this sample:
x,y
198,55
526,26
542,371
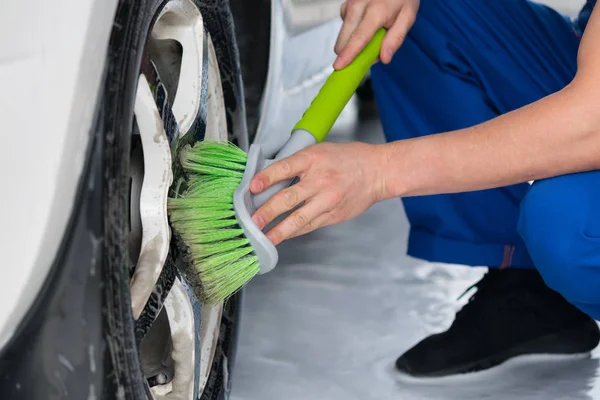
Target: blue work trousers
x,y
465,62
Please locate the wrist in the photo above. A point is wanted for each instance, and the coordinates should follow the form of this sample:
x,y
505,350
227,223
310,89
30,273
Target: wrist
x,y
398,172
387,178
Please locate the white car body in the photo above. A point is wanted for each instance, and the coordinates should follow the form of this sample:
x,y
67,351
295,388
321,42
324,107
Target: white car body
x,y
51,63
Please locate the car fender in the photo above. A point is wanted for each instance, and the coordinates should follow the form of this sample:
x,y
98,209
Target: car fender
x,y
51,66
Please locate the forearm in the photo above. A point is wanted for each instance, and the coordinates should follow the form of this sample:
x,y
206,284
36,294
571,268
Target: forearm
x,y
557,135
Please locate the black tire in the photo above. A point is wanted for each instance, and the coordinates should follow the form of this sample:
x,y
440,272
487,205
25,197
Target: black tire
x,y
254,47
132,24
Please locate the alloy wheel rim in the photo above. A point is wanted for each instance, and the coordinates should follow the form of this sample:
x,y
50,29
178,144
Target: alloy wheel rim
x,y
192,76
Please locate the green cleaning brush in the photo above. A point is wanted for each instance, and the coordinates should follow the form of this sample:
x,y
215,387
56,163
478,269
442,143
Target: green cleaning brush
x,y
211,209
203,217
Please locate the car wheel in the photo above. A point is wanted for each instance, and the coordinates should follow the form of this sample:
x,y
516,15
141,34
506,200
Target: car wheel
x,y
172,78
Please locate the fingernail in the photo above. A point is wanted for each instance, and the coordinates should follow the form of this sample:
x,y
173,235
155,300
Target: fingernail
x,y
258,186
337,63
390,54
271,237
259,221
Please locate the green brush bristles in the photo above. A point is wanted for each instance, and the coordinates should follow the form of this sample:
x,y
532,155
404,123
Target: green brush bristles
x,y
203,216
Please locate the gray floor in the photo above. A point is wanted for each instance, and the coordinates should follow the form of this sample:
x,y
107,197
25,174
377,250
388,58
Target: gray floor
x,y
345,301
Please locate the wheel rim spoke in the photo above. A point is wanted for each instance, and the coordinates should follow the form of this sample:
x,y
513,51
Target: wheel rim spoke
x,y
211,317
158,177
182,324
182,21
216,117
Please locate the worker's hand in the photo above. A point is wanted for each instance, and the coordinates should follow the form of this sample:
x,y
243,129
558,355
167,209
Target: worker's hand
x,y
362,18
337,182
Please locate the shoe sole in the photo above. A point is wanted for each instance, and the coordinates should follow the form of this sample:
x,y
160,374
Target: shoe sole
x,y
492,372
571,344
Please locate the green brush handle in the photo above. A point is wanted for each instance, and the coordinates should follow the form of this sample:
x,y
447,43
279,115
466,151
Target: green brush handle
x,y
324,110
338,90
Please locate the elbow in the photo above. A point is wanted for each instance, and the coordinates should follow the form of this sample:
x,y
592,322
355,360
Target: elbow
x,y
584,99
582,108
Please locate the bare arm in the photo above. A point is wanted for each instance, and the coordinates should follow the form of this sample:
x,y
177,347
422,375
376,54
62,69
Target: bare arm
x,y
556,135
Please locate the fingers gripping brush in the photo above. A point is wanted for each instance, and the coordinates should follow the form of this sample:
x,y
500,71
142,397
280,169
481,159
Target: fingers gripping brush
x,y
212,215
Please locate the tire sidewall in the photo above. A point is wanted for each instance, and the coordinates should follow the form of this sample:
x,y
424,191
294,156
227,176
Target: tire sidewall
x,y
133,20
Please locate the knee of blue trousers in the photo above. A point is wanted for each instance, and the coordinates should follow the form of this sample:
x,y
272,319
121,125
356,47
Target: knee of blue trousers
x,y
561,229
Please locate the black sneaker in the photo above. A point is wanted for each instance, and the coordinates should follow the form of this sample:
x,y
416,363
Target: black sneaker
x,y
513,313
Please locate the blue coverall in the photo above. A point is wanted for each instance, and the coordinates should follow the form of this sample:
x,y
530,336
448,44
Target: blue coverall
x,y
465,62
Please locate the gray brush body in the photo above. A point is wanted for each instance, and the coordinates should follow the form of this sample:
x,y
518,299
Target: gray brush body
x,y
245,203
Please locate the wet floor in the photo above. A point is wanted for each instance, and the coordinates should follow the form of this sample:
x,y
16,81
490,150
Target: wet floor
x,y
344,302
